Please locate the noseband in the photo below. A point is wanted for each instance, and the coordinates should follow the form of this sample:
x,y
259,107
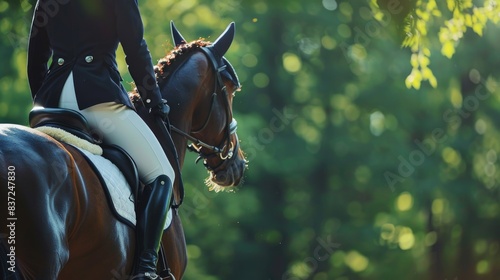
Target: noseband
x,y
225,150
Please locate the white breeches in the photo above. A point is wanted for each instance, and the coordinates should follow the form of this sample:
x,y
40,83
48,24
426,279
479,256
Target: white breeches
x,y
122,126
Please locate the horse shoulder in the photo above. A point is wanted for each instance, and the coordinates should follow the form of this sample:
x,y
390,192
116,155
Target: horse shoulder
x,y
43,166
40,174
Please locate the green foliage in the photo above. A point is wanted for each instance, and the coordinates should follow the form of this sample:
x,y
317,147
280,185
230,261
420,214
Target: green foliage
x,y
452,18
14,95
351,176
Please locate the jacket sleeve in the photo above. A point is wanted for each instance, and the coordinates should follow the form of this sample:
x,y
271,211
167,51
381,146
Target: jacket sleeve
x,y
137,55
39,50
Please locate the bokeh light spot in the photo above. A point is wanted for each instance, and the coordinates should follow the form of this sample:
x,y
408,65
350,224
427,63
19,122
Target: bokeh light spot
x,y
291,62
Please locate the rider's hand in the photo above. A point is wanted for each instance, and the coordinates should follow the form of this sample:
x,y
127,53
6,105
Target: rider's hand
x,y
161,110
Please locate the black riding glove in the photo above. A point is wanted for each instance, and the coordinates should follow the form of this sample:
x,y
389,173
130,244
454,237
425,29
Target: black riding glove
x,y
161,110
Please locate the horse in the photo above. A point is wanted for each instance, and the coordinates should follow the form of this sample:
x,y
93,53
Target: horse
x,y
59,224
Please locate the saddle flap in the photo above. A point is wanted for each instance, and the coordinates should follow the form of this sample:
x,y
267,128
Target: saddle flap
x,y
125,164
118,177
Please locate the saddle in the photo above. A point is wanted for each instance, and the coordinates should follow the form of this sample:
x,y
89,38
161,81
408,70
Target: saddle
x,y
65,119
75,123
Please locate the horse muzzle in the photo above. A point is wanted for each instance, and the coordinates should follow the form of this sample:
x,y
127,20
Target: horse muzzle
x,y
232,175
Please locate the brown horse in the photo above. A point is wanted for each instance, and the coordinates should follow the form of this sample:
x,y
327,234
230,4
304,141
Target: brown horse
x,y
59,224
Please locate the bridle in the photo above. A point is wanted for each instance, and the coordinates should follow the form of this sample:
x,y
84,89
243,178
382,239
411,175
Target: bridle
x,y
226,149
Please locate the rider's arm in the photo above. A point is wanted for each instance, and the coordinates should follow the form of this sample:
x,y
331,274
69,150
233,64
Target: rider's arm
x,y
138,58
39,51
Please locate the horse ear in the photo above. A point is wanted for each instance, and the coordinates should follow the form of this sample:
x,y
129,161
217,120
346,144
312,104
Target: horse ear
x,y
176,35
222,44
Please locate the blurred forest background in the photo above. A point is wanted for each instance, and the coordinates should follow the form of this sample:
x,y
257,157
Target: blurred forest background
x,y
372,130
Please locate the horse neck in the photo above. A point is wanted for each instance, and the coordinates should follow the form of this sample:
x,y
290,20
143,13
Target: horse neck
x,y
186,95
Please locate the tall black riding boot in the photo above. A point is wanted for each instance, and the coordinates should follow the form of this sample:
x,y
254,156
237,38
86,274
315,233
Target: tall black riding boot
x,y
152,214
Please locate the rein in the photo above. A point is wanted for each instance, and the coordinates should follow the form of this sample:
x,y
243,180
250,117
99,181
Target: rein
x,y
232,129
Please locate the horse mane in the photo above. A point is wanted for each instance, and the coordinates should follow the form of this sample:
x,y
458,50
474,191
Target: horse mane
x,y
175,54
162,67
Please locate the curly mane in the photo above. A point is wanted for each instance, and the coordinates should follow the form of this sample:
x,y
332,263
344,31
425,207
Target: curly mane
x,y
163,65
161,69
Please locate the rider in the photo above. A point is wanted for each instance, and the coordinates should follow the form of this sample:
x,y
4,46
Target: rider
x,y
81,37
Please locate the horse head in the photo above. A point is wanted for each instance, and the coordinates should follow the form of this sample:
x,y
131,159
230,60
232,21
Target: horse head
x,y
199,84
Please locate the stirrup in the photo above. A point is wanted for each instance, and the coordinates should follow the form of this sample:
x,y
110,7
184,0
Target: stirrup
x,y
149,275
170,275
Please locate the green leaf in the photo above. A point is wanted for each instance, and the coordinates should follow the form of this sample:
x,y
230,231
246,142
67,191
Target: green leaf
x,y
478,28
448,49
414,60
